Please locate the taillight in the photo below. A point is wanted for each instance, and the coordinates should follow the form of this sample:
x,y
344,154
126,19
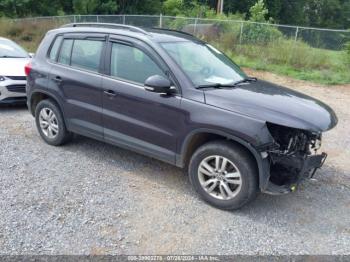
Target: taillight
x,y
27,69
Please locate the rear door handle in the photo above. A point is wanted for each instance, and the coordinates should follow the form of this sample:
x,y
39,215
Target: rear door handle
x,y
110,92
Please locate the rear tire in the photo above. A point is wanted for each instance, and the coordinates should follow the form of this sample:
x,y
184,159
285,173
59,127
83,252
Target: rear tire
x,y
224,174
50,123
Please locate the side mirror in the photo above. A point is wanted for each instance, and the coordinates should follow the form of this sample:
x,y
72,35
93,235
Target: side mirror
x,y
31,55
158,84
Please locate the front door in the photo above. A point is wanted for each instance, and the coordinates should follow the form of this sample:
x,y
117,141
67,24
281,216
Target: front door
x,y
133,117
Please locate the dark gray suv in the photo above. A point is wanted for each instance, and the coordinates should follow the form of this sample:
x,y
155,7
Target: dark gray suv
x,y
173,97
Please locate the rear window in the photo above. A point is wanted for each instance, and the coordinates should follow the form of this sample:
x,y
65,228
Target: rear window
x,y
80,53
86,54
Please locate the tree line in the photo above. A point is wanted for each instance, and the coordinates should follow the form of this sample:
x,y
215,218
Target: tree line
x,y
316,13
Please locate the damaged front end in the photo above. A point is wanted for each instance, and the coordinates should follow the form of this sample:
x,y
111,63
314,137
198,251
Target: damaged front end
x,y
292,157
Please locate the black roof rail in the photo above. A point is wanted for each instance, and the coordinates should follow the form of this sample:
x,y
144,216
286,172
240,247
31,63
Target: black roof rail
x,y
109,25
173,30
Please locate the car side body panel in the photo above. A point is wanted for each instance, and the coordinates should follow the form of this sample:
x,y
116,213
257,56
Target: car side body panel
x,y
130,120
144,118
119,112
81,95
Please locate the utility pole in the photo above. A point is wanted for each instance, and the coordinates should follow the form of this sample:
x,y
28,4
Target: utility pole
x,y
220,6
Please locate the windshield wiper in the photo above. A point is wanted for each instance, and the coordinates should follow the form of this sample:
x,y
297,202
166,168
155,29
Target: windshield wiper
x,y
219,85
246,80
214,85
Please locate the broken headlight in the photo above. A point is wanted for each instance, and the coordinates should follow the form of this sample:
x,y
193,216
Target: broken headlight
x,y
290,141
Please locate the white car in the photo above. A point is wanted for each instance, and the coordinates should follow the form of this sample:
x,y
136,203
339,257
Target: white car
x,y
13,58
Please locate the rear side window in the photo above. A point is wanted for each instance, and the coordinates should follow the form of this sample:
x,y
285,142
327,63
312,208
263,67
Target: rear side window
x,y
64,57
86,54
55,47
132,64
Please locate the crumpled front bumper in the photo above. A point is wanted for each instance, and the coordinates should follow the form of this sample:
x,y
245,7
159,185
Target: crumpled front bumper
x,y
314,162
306,166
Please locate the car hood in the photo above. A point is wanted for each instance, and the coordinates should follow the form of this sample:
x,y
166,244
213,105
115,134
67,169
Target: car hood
x,y
275,104
13,66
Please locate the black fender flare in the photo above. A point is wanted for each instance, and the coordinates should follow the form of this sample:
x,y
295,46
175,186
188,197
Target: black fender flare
x,y
50,95
40,91
262,163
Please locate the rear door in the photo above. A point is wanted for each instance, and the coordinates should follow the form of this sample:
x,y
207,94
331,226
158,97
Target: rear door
x,y
77,73
133,117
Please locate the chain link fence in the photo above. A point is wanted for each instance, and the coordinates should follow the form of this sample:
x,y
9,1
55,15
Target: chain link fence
x,y
323,53
243,32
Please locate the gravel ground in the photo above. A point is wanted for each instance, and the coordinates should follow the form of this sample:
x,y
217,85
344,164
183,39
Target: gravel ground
x,y
92,198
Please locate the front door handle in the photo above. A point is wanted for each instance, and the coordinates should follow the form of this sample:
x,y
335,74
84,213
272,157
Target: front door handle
x,y
110,92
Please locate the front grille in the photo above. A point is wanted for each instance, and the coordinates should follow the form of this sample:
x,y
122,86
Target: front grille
x,y
17,88
17,77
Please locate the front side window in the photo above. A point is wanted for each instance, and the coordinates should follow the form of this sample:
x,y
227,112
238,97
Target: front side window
x,y
86,54
204,64
132,64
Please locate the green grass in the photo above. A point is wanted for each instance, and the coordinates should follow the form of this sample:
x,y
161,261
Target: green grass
x,y
27,33
281,56
321,76
296,60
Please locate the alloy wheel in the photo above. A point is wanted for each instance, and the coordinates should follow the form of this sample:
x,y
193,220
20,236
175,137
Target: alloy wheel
x,y
48,123
219,177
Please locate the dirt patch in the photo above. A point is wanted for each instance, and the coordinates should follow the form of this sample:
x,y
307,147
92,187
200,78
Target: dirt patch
x,y
92,198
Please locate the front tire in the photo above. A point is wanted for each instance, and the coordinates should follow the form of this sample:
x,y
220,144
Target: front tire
x,y
224,174
50,123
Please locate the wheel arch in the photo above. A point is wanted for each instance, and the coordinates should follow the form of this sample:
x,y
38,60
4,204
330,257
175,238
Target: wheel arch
x,y
200,136
40,95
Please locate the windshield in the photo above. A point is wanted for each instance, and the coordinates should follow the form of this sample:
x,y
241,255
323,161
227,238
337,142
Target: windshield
x,y
204,64
11,50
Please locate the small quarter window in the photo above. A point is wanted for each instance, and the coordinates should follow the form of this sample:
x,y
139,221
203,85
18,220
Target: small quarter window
x,y
64,57
55,48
